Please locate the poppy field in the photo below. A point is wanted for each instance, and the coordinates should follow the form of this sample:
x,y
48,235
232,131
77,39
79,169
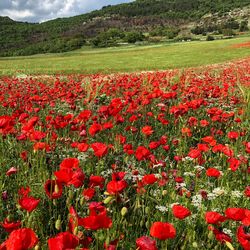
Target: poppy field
x,y
145,161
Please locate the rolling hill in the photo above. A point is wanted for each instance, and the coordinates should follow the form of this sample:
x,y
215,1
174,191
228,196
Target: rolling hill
x,y
120,23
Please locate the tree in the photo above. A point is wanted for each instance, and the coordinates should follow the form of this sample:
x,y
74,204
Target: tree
x,y
134,36
244,26
210,38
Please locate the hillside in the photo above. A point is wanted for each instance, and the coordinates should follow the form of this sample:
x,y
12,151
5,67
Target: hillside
x,y
156,17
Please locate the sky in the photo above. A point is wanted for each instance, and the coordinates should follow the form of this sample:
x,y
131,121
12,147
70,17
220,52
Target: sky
x,y
43,10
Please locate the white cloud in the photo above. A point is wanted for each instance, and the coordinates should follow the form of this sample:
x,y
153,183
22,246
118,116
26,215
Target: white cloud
x,y
40,10
17,14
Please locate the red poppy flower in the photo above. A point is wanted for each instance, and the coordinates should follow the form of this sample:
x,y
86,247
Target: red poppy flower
x,y
203,147
88,193
69,163
233,135
94,128
204,123
121,139
180,212
100,149
227,151
214,217
243,238
70,176
179,179
41,146
77,178
21,239
236,214
149,179
210,140
28,203
85,115
247,145
11,171
24,191
53,189
82,147
163,140
142,153
162,230
194,153
234,164
247,191
97,219
213,172
154,144
70,173
108,125
220,236
146,243
147,130
246,220
186,131
116,186
96,181
63,241
9,226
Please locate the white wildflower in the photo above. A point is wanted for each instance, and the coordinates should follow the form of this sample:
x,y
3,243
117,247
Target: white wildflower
x,y
218,191
189,174
236,194
227,231
187,158
196,200
162,209
198,167
211,196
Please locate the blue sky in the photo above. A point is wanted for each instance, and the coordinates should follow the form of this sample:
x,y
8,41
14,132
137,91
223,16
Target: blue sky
x,y
42,10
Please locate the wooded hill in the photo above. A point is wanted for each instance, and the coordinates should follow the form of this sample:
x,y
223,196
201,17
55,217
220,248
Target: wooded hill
x,y
115,24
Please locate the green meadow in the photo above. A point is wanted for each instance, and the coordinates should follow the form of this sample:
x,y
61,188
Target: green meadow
x,y
128,58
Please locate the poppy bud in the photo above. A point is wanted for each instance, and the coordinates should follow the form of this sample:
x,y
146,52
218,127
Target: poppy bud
x,y
107,241
101,237
141,223
147,224
195,245
108,200
137,204
82,200
58,223
147,210
37,247
75,231
124,211
210,235
68,202
71,194
164,192
229,245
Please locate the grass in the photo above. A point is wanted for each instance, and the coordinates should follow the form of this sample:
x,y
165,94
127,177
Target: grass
x,y
127,59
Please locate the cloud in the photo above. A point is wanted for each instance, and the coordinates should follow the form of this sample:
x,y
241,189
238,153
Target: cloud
x,y
42,10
